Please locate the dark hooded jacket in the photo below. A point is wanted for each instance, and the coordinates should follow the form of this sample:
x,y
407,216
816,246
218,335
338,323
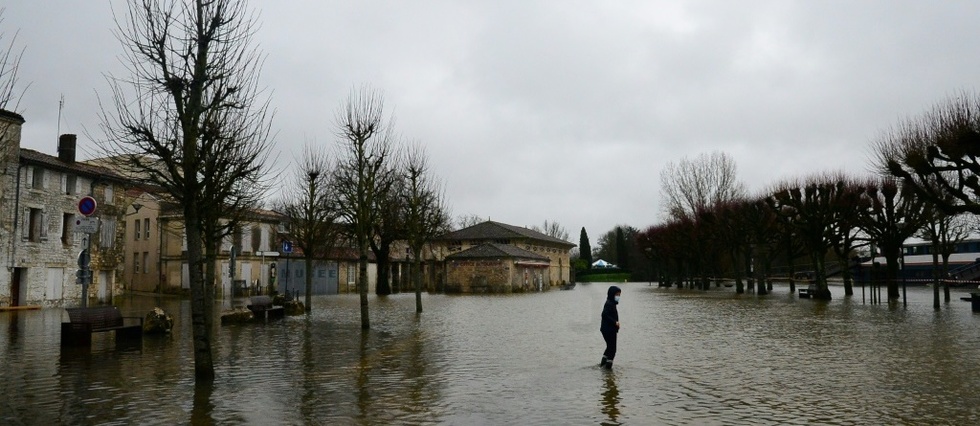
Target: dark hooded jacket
x,y
610,315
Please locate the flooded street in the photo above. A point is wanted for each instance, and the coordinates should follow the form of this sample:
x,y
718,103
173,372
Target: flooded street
x,y
685,357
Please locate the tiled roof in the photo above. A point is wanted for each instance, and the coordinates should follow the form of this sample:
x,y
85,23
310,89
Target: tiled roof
x,y
34,157
496,250
491,230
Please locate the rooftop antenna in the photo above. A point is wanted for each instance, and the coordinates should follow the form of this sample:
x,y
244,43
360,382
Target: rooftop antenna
x,y
61,105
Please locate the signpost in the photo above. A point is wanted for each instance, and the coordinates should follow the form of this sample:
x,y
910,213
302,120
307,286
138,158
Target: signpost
x,y
86,225
287,247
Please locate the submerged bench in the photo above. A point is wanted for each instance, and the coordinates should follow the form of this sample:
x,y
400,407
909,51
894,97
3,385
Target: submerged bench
x,y
262,308
85,321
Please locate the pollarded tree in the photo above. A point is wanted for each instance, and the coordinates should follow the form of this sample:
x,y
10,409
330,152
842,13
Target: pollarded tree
x,y
850,207
936,154
944,231
809,209
894,215
363,174
426,214
308,208
189,120
388,226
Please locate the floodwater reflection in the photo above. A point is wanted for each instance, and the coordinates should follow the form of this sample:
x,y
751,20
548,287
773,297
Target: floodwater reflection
x,y
610,400
687,357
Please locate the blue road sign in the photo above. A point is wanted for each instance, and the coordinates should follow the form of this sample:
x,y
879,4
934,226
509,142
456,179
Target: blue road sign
x,y
287,246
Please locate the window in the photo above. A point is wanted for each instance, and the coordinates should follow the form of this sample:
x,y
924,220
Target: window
x,y
136,262
66,221
70,184
108,194
245,239
146,262
137,228
107,233
146,229
38,181
257,238
35,226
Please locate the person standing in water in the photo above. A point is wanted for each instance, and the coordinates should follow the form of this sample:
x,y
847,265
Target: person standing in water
x,y
610,326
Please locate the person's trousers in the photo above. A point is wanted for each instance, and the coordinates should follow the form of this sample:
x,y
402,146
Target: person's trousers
x,y
610,338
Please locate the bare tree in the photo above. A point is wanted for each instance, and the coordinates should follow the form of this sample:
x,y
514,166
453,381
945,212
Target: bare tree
x,y
10,58
389,223
426,215
189,120
809,208
552,229
937,155
692,186
363,173
894,215
309,210
468,220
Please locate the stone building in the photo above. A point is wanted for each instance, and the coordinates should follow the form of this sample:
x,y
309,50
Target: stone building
x,y
39,196
250,260
500,258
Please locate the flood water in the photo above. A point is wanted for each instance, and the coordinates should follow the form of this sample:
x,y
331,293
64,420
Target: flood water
x,y
685,358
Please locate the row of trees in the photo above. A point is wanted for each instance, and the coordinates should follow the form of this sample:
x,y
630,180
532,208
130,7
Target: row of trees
x,y
190,119
373,194
927,180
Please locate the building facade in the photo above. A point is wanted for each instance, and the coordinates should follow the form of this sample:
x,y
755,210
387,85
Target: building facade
x,y
39,242
496,257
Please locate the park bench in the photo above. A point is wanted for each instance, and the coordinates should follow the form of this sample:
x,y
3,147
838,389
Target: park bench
x,y
262,308
82,322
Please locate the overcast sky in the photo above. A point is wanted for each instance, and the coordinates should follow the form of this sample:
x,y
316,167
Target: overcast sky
x,y
564,111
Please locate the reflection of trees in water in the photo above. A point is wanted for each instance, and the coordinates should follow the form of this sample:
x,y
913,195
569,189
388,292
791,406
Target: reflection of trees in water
x,y
610,400
203,407
393,381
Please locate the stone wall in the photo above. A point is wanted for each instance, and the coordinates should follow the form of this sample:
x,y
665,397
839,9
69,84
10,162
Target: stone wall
x,y
479,276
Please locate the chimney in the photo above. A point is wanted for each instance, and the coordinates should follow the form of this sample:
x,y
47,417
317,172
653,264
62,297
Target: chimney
x,y
66,148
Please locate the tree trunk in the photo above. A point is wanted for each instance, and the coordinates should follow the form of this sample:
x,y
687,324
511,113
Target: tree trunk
x,y
935,278
309,282
201,302
845,273
891,274
417,278
362,284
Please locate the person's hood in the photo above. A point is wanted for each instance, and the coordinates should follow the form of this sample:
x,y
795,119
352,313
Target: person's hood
x,y
612,292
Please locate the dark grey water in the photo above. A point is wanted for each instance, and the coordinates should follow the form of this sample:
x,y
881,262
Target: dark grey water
x,y
684,358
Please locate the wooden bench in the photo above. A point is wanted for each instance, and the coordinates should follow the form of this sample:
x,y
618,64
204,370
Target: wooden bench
x,y
85,321
262,308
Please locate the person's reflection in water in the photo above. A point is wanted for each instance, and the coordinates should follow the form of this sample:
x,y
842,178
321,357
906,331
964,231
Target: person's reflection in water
x,y
610,400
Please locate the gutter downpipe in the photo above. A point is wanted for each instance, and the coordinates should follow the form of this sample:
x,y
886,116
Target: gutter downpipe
x,y
13,236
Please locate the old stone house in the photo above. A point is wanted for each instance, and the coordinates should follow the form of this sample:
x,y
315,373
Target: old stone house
x,y
39,196
500,258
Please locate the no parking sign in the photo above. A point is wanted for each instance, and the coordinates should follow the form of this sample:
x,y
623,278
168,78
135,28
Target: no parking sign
x,y
86,206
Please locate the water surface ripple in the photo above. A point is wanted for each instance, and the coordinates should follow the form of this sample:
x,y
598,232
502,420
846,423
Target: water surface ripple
x,y
685,358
